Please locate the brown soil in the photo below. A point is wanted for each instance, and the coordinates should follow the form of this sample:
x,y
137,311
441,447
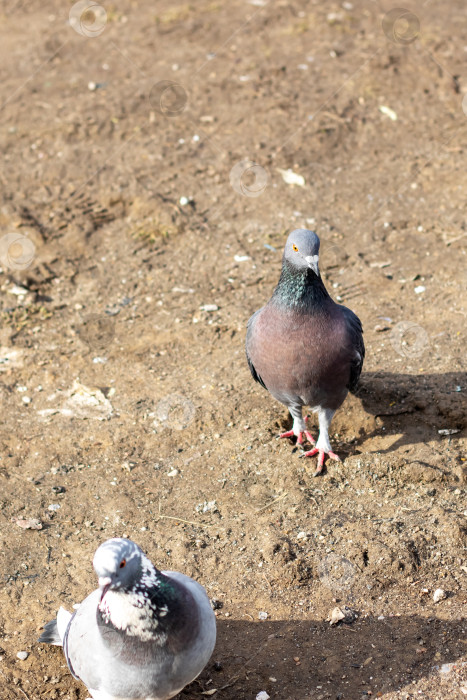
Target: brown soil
x,y
132,408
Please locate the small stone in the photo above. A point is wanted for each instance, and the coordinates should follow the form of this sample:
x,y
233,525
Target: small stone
x,y
92,86
420,289
28,523
262,615
22,655
346,614
439,595
174,472
262,695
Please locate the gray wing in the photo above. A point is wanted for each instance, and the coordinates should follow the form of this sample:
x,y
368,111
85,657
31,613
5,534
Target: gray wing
x,y
355,329
249,333
79,641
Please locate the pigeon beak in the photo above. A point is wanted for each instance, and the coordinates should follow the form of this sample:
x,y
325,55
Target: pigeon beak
x,y
104,584
312,261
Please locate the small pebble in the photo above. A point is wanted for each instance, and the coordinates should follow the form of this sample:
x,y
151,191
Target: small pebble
x,y
92,86
420,289
22,655
262,615
439,595
28,523
262,695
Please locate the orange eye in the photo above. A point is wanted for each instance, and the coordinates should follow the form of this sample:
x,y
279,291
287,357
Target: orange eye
x,y
295,248
122,563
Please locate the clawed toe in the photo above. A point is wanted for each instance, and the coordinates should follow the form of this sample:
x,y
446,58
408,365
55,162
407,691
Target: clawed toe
x,y
300,438
321,457
288,434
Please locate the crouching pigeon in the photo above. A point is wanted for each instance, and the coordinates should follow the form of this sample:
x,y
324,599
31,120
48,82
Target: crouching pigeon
x,y
305,349
143,634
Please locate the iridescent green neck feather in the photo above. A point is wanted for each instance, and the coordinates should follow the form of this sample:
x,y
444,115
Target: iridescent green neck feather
x,y
299,288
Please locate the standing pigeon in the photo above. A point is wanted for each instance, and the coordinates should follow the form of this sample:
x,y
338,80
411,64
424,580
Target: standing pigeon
x,y
143,634
305,349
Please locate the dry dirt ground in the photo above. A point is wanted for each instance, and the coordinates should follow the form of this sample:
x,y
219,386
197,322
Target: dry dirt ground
x,y
141,225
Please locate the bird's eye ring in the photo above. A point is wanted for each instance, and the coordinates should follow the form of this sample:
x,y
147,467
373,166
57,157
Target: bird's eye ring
x,y
122,563
295,248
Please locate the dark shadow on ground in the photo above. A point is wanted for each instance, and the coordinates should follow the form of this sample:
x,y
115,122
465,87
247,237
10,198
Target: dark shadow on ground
x,y
409,404
343,662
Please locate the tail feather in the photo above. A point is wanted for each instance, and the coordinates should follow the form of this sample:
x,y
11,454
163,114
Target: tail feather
x,y
50,634
54,631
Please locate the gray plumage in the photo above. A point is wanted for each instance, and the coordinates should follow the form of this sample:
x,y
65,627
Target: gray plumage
x,y
302,347
144,634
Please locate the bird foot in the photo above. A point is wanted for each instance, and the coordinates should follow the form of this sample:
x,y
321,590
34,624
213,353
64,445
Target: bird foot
x,y
299,435
321,453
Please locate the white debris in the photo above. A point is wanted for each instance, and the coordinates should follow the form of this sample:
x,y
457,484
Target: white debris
x,y
92,86
10,358
241,258
446,668
82,402
388,112
262,695
383,263
174,472
17,291
262,615
23,655
184,201
345,613
439,595
207,507
448,431
335,616
420,289
292,178
209,307
28,523
53,507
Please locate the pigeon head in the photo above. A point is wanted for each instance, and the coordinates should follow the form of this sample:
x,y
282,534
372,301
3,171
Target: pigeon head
x,y
302,250
118,564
